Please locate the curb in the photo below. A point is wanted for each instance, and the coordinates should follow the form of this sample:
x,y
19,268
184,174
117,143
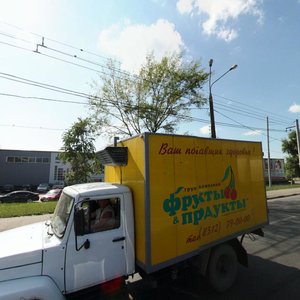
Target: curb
x,y
282,196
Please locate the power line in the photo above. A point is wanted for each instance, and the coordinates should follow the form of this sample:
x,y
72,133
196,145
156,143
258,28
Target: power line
x,y
14,37
44,85
250,114
80,94
91,62
75,56
15,46
30,127
130,77
238,125
241,111
43,99
267,113
245,126
54,41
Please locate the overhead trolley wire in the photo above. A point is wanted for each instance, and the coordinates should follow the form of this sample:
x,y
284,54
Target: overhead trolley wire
x,y
15,46
242,109
43,99
44,85
75,56
53,40
250,114
248,127
87,96
31,127
274,116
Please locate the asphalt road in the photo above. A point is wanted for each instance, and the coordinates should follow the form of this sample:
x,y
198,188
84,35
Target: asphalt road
x,y
274,264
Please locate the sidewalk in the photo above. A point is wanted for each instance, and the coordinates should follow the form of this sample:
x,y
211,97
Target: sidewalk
x,y
9,223
283,193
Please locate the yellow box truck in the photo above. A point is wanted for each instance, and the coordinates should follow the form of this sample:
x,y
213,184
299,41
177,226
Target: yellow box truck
x,y
190,194
168,202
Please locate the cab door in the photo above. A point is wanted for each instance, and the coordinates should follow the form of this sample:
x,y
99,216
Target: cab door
x,y
104,259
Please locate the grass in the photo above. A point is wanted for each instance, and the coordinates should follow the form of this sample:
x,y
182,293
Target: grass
x,y
282,186
8,210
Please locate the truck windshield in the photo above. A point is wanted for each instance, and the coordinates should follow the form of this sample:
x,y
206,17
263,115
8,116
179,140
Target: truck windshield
x,y
61,215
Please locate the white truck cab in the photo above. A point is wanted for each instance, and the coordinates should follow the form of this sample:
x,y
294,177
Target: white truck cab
x,y
48,260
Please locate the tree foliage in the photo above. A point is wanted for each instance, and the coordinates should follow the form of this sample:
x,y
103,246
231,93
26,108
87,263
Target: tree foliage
x,y
79,150
289,146
158,99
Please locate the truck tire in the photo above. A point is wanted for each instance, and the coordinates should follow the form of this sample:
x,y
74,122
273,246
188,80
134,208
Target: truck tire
x,y
222,267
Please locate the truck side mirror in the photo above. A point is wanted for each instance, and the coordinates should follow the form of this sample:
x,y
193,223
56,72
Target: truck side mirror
x,y
79,221
80,228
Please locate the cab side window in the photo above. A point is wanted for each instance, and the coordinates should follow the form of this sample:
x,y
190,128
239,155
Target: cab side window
x,y
101,215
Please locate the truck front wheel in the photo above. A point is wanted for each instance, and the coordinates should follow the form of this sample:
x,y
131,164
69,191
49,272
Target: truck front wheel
x,y
222,267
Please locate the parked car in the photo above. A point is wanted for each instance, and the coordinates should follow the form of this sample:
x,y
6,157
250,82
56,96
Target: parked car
x,y
43,188
8,188
58,186
19,196
52,195
29,187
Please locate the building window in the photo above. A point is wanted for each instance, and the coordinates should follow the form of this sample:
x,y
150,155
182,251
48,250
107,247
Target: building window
x,y
45,160
31,159
55,173
26,159
18,159
60,174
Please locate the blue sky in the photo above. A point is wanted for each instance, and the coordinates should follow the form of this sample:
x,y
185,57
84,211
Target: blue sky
x,y
260,36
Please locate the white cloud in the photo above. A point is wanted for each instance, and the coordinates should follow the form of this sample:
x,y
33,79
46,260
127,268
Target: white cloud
x,y
227,34
295,108
130,43
185,6
220,14
252,132
205,130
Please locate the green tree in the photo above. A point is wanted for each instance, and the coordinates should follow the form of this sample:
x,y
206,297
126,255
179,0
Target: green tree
x,y
289,146
79,150
158,99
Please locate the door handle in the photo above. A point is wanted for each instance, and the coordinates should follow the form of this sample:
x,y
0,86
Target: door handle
x,y
119,239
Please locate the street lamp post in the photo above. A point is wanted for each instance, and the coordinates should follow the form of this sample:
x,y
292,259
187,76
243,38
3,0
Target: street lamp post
x,y
211,104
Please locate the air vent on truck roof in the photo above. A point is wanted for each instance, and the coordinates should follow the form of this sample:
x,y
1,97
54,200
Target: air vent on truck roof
x,y
114,156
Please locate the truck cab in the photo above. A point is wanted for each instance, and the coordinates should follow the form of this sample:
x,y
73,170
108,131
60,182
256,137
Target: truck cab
x,y
52,256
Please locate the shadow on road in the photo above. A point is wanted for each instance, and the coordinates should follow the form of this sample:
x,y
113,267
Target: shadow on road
x,y
262,280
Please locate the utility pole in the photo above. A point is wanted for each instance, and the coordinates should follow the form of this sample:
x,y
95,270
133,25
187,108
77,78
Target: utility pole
x,y
269,160
211,105
298,142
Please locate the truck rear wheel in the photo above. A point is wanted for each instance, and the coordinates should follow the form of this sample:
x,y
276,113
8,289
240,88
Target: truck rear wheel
x,y
222,268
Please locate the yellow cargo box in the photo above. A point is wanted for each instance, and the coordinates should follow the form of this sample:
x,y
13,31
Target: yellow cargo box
x,y
190,193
